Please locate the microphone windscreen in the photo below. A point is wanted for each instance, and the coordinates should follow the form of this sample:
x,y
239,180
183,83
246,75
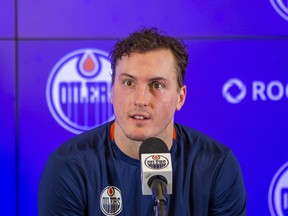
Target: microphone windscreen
x,y
153,145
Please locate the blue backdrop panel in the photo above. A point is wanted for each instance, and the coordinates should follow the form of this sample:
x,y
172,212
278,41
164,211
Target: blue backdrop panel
x,y
7,132
116,18
40,133
253,124
7,18
237,83
245,122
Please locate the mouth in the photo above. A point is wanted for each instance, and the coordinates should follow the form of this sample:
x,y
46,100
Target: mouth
x,y
139,117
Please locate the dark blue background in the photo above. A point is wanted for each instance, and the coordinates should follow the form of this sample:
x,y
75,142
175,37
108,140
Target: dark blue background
x,y
247,40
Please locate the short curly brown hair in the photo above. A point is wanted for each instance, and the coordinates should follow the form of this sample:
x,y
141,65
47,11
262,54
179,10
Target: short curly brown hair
x,y
149,39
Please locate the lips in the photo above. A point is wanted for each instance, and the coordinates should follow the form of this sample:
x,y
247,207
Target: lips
x,y
139,116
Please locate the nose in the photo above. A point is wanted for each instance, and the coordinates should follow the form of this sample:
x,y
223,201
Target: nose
x,y
142,95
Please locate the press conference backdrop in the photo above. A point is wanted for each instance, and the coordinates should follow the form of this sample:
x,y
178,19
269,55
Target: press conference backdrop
x,y
55,83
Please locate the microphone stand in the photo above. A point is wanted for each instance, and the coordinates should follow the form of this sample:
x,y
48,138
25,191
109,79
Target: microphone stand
x,y
158,186
160,209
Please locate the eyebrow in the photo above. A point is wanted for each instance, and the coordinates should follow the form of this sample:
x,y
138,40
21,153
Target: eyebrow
x,y
152,79
126,75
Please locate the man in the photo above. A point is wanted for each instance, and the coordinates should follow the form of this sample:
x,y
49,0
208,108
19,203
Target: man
x,y
98,172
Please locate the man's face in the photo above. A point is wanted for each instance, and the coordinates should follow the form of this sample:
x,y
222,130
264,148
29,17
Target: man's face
x,y
145,95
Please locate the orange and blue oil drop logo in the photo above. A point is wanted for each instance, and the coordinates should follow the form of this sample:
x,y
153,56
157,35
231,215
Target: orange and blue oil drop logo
x,y
111,201
78,90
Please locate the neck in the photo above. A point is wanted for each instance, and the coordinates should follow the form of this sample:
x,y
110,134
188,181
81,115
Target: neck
x,y
131,147
127,146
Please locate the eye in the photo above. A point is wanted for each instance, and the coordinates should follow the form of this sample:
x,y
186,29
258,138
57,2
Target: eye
x,y
128,82
156,85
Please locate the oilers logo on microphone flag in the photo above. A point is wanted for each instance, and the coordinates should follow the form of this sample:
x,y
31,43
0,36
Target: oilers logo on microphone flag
x,y
111,201
78,90
278,192
156,162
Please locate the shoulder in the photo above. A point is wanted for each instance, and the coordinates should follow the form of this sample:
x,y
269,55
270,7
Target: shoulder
x,y
85,143
213,159
200,142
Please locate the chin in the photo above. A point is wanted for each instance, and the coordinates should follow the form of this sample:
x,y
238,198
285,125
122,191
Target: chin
x,y
138,138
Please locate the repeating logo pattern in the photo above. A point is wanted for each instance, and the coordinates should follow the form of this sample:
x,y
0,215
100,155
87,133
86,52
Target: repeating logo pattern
x,y
278,192
111,201
78,90
235,91
281,7
239,92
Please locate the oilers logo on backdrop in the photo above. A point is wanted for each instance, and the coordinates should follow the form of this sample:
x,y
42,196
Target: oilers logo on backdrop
x,y
278,192
78,90
281,7
156,162
111,201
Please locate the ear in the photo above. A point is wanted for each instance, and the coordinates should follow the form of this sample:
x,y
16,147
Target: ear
x,y
181,97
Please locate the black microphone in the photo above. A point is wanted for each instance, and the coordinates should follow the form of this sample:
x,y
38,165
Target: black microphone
x,y
156,172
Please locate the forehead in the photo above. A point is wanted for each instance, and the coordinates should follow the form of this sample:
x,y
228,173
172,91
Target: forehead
x,y
158,61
